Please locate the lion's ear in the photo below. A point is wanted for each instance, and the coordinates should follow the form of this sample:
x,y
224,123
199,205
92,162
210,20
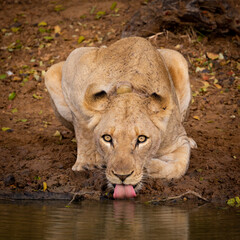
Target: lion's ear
x,y
158,103
160,109
95,99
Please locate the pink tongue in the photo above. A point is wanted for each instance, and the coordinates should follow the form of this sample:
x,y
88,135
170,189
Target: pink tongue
x,y
124,191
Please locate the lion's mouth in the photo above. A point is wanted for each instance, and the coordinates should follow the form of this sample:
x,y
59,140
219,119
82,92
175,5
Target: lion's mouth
x,y
122,191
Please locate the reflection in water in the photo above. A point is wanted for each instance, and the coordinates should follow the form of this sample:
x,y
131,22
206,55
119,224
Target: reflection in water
x,y
113,220
148,222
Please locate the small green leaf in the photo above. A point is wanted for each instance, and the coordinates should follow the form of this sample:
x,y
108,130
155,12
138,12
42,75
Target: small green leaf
x,y
22,120
14,110
4,129
42,24
231,202
46,123
3,76
59,8
36,96
57,134
42,30
194,94
48,38
92,10
15,29
25,80
18,44
100,14
11,96
81,39
210,121
234,202
114,4
200,38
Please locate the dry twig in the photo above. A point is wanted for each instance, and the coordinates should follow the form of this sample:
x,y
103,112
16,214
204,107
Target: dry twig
x,y
154,37
78,194
180,196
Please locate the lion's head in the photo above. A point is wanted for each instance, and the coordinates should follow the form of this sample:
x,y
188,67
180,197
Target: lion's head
x,y
129,127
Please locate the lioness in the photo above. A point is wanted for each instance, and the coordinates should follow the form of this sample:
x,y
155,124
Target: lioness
x,y
126,104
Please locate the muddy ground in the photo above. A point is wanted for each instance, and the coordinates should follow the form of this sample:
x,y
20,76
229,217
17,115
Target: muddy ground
x,y
36,34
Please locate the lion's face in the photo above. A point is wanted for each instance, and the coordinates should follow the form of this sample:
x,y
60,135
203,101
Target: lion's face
x,y
126,138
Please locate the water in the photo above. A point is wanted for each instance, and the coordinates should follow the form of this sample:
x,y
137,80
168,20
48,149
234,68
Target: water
x,y
114,220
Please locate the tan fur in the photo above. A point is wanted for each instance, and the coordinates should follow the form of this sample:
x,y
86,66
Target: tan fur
x,y
126,90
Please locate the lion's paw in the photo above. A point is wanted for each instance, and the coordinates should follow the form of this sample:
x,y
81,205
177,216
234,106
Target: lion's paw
x,y
78,167
193,144
92,163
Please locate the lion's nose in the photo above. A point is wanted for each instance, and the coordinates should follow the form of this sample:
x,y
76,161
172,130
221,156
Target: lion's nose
x,y
122,177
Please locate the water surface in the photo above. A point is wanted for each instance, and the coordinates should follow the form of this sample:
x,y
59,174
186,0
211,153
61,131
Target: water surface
x,y
114,220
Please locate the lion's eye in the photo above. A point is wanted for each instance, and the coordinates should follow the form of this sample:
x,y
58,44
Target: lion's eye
x,y
107,138
141,139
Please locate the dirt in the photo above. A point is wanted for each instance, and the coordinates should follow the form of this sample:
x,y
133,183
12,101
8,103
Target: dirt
x,y
219,16
32,153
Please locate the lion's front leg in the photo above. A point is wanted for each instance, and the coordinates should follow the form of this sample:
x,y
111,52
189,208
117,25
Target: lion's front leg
x,y
87,160
172,165
87,155
53,83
